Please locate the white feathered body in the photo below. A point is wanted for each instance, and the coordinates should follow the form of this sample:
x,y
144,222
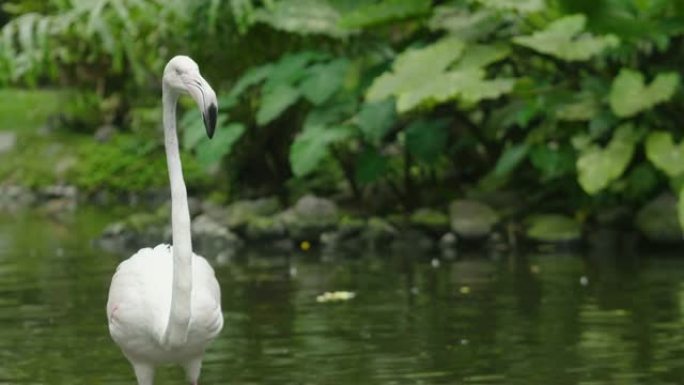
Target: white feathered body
x,y
140,301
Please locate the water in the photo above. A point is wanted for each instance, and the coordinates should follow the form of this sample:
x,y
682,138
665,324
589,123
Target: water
x,y
478,319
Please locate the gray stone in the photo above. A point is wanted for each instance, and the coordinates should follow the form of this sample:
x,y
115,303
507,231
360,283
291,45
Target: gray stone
x,y
448,241
309,218
310,207
412,239
657,220
105,132
238,214
379,231
211,238
14,197
8,140
59,192
265,228
471,219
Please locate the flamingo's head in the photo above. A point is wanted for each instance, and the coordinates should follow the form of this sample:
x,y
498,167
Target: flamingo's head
x,y
182,75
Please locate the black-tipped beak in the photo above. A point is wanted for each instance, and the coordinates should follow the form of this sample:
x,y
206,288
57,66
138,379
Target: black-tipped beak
x,y
205,97
209,116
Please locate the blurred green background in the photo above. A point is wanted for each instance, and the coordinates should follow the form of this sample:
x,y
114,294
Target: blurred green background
x,y
554,106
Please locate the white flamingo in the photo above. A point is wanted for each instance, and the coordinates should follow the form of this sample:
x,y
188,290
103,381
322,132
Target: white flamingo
x,y
164,303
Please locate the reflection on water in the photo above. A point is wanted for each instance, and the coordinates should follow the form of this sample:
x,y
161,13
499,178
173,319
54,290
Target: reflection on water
x,y
477,319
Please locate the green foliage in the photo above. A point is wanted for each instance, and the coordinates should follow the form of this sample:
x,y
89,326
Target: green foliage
x,y
122,35
523,6
565,39
598,167
312,146
129,163
392,95
510,159
409,84
370,166
375,119
209,151
302,17
426,139
385,11
664,154
275,101
629,95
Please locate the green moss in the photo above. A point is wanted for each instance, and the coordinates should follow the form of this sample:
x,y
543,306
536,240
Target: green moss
x,y
129,163
26,110
34,160
553,228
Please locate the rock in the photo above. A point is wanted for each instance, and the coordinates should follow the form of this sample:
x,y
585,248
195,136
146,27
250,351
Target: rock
x,y
105,132
15,197
309,218
378,231
310,207
657,220
59,192
8,140
429,220
350,226
552,228
265,228
239,213
448,241
471,219
412,239
212,239
64,165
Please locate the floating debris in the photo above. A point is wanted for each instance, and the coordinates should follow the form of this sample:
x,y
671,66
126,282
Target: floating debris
x,y
464,290
584,281
305,245
435,263
335,296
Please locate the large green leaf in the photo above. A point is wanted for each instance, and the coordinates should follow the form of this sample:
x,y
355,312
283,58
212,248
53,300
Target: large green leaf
x,y
193,128
375,119
302,17
370,166
522,6
312,146
375,13
291,68
414,66
211,151
510,159
553,160
629,95
597,167
481,55
463,23
664,154
275,101
426,139
323,80
420,76
565,39
582,108
253,76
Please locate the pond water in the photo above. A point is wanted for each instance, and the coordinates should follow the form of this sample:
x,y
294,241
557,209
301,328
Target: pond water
x,y
600,318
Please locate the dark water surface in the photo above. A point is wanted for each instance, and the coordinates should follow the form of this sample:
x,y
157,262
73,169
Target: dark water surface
x,y
476,319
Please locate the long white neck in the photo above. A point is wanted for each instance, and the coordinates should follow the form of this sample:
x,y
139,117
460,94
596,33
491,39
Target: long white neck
x,y
179,316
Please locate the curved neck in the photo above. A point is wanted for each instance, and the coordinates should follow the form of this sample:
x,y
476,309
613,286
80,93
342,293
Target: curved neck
x,y
179,316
